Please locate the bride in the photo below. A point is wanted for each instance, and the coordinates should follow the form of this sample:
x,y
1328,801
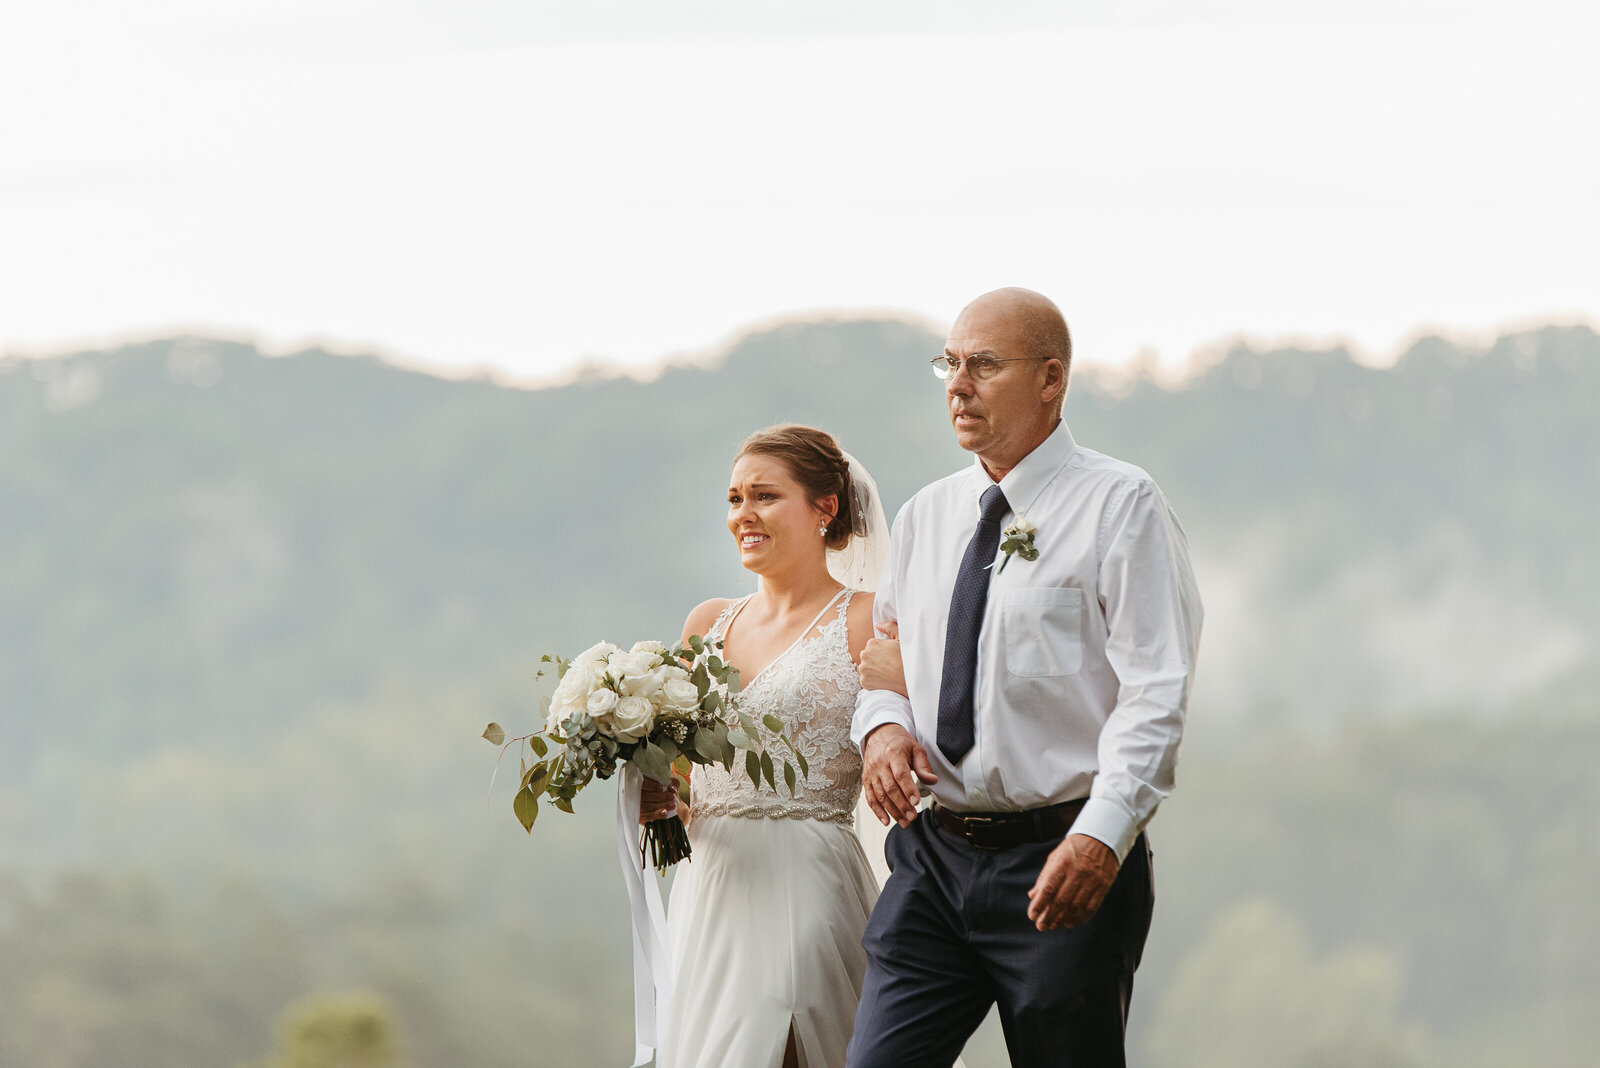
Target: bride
x,y
766,917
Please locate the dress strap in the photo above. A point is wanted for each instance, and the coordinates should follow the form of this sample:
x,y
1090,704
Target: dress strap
x,y
725,618
845,593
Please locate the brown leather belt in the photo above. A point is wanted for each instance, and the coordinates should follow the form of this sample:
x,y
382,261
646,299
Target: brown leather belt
x,y
999,830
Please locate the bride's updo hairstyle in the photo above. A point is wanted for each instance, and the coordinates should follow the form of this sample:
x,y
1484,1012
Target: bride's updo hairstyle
x,y
815,461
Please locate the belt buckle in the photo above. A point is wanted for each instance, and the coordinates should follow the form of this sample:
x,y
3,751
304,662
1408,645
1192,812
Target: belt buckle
x,y
971,825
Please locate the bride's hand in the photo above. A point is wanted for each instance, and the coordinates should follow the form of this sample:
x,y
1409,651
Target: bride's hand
x,y
657,802
881,667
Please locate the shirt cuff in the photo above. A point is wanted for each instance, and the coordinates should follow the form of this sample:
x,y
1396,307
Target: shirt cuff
x,y
874,708
1109,823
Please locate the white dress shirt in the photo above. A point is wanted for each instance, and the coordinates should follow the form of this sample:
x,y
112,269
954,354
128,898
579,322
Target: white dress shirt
x,y
1086,654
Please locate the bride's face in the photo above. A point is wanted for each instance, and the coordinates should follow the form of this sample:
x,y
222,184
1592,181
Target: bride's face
x,y
770,518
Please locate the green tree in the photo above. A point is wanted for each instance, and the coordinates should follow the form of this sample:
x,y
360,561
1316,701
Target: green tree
x,y
348,1029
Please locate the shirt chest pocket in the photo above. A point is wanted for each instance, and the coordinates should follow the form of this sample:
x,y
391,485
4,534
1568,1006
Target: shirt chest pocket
x,y
1041,631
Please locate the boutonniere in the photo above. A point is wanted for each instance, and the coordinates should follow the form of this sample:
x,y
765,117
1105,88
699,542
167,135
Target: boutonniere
x,y
1018,538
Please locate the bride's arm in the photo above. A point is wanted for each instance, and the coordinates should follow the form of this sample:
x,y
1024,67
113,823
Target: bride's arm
x,y
860,624
702,617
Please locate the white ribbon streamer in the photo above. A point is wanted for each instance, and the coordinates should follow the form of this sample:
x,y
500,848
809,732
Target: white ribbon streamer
x,y
652,956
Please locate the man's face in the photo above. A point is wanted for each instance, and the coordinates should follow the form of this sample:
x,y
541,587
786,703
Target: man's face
x,y
998,418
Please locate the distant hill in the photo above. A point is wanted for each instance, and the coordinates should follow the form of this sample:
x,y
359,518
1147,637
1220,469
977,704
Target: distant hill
x,y
199,538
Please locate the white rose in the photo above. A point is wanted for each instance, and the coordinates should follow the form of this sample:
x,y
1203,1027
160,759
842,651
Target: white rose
x,y
578,681
655,648
680,694
572,694
601,701
1024,525
596,653
632,718
646,685
621,665
673,671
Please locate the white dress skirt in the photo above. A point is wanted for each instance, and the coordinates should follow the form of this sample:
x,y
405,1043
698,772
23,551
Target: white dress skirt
x,y
766,916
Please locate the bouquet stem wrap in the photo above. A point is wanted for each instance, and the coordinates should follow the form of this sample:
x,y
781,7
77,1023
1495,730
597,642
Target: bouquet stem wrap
x,y
652,955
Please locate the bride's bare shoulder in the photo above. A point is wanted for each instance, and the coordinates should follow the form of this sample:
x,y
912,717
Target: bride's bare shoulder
x,y
703,615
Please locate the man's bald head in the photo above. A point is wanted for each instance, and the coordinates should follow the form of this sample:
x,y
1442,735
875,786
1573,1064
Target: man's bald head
x,y
1004,415
1034,319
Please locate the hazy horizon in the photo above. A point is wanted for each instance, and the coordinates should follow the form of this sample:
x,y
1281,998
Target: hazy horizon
x,y
1132,366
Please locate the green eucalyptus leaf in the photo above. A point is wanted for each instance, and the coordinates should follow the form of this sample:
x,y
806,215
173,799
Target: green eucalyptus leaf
x,y
805,769
495,733
526,807
696,644
670,748
538,777
752,767
712,702
788,776
732,679
774,724
739,739
652,760
766,769
701,680
564,804
706,745
538,745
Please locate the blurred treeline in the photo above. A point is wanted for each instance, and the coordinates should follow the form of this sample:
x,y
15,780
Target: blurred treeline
x,y
254,613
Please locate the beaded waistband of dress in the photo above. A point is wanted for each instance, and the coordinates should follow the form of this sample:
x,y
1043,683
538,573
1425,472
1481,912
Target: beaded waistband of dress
x,y
789,810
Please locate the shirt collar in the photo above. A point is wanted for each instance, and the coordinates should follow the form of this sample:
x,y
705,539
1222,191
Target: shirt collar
x,y
1024,482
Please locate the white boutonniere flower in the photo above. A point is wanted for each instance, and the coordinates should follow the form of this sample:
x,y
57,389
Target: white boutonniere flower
x,y
1018,539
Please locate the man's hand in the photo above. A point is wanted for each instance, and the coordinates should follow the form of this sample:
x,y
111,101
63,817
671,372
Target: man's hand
x,y
1074,882
889,755
881,667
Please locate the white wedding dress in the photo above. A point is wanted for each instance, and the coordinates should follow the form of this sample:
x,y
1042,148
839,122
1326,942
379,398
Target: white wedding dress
x,y
766,916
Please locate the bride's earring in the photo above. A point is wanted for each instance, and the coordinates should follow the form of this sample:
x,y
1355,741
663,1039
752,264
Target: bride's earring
x,y
823,530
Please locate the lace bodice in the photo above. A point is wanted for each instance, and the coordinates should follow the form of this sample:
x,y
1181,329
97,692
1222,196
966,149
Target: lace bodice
x,y
812,688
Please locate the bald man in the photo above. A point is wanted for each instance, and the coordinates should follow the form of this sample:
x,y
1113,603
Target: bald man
x,y
1048,621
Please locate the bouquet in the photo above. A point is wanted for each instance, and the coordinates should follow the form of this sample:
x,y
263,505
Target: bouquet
x,y
660,709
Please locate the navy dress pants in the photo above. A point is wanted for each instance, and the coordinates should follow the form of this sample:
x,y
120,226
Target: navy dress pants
x,y
950,936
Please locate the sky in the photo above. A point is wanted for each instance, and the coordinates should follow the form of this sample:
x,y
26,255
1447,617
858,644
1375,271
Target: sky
x,y
520,186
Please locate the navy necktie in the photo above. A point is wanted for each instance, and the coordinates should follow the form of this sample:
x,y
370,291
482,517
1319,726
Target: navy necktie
x,y
956,685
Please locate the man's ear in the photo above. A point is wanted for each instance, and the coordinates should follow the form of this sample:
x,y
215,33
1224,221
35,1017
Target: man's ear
x,y
1055,381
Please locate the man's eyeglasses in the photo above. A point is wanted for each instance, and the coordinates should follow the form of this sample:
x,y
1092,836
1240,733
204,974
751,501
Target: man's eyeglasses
x,y
980,365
